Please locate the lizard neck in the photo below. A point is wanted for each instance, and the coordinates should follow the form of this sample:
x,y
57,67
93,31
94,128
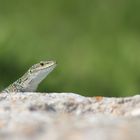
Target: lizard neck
x,y
30,81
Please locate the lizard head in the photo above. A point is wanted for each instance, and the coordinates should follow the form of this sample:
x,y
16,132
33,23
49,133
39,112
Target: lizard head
x,y
43,66
36,74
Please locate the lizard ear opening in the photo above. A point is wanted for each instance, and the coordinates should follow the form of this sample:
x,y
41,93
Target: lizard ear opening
x,y
19,80
30,71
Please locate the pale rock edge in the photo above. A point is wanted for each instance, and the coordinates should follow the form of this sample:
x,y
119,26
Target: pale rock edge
x,y
68,116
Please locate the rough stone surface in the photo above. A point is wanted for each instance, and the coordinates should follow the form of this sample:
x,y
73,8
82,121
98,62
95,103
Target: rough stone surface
x,y
68,116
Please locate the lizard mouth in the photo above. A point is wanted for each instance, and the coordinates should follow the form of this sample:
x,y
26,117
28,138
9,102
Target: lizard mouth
x,y
51,63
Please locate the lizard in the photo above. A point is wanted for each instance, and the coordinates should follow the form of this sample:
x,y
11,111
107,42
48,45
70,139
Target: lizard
x,y
32,78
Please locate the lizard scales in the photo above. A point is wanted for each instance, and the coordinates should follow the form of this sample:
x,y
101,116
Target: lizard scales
x,y
32,78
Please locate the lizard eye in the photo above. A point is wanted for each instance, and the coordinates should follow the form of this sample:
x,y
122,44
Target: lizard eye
x,y
41,63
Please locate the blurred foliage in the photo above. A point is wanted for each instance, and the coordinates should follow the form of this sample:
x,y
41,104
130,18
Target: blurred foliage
x,y
95,42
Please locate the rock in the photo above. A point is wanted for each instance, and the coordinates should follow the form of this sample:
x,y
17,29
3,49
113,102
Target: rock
x,y
68,116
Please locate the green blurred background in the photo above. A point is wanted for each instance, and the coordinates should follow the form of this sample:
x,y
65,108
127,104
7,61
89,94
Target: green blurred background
x,y
95,42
